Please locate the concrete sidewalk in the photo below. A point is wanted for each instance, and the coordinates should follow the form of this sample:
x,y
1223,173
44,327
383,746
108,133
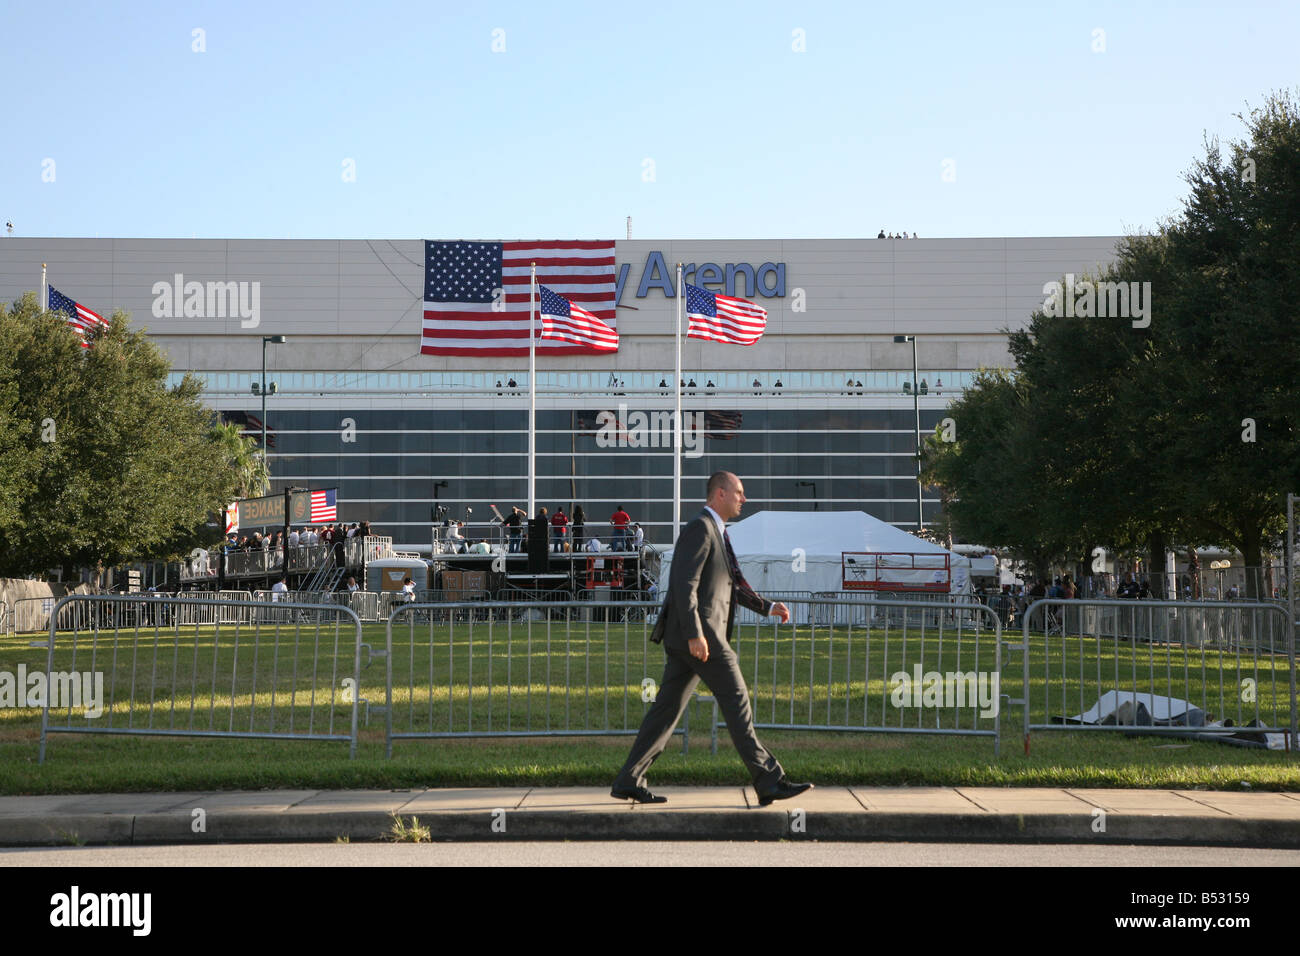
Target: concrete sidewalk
x,y
914,814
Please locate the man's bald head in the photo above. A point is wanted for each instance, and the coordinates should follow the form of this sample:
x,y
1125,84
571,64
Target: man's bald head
x,y
726,495
718,480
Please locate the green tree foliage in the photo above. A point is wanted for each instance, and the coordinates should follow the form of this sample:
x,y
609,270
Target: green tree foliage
x,y
1230,338
243,458
1114,434
99,459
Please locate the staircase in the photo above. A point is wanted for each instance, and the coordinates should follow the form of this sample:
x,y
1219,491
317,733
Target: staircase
x,y
326,577
332,582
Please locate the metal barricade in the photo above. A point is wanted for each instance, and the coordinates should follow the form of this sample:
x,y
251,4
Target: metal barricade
x,y
519,593
225,607
885,665
796,598
33,615
443,595
151,676
862,609
1108,665
364,604
613,603
549,669
5,623
512,675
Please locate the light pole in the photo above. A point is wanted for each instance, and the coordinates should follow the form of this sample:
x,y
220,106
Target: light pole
x,y
275,340
916,390
813,486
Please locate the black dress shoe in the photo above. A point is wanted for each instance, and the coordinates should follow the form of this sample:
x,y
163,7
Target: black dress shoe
x,y
639,794
783,790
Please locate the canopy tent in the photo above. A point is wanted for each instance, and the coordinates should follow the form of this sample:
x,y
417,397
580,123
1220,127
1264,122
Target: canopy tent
x,y
801,550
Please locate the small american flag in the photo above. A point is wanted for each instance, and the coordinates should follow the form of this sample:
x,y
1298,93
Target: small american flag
x,y
565,322
477,295
324,506
82,319
723,318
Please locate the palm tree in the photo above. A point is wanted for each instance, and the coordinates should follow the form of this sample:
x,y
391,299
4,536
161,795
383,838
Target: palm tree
x,y
244,458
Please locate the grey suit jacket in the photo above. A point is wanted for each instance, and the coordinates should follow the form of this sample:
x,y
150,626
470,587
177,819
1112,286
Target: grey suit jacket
x,y
702,591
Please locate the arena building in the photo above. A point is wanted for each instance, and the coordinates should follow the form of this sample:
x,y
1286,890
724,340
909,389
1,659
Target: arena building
x,y
813,416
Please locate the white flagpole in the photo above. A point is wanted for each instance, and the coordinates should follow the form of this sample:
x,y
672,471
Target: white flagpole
x,y
677,419
532,396
45,291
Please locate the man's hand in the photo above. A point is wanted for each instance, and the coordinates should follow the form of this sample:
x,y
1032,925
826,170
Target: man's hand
x,y
699,648
781,611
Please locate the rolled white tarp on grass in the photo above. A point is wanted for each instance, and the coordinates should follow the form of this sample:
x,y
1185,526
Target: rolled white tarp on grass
x,y
1133,709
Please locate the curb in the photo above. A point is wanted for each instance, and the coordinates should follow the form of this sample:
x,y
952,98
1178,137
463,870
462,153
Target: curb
x,y
175,827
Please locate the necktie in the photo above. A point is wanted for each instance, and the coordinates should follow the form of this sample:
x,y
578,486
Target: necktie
x,y
732,563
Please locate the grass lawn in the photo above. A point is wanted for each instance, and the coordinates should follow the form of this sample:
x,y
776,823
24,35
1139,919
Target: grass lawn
x,y
552,675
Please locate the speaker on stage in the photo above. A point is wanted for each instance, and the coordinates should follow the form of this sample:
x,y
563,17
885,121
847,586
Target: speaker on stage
x,y
539,531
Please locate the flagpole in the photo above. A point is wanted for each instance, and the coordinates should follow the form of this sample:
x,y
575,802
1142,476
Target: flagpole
x,y
677,418
45,291
532,395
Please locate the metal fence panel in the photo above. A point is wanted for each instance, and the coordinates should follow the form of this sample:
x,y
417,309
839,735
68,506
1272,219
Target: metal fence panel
x,y
795,599
587,668
885,665
844,608
288,678
33,615
1233,660
226,607
513,674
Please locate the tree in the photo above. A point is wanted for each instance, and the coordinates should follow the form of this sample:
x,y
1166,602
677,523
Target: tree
x,y
1133,434
243,458
987,474
102,461
1229,334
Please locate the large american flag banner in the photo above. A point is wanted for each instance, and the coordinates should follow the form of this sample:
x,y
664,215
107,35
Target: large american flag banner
x,y
476,294
324,506
82,319
566,322
723,318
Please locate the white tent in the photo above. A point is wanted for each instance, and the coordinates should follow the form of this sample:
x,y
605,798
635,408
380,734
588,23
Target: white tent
x,y
800,551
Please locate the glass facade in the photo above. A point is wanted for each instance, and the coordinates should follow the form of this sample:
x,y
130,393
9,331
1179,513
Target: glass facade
x,y
580,383
386,462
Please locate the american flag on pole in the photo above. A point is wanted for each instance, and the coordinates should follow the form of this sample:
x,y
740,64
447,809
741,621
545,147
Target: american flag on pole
x,y
723,318
476,294
324,506
563,321
80,318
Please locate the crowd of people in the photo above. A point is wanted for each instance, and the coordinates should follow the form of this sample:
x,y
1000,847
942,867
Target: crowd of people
x,y
309,536
272,545
901,235
1012,601
567,533
663,385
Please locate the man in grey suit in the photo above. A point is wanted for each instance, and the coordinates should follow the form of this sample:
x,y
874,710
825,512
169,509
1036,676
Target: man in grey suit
x,y
694,625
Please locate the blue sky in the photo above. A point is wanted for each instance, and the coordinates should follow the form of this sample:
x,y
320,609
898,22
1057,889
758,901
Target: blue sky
x,y
698,121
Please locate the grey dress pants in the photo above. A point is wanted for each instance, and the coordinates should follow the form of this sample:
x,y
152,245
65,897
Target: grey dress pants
x,y
721,674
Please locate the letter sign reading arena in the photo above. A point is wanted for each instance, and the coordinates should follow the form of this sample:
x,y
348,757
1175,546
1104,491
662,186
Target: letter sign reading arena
x,y
735,278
